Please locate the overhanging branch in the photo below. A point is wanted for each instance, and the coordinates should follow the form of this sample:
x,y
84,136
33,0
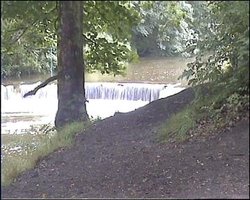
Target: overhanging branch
x,y
43,84
33,92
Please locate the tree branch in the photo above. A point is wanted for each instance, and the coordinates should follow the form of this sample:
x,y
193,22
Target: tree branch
x,y
33,92
53,78
24,30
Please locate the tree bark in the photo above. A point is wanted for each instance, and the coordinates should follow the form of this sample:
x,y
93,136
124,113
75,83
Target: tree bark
x,y
70,86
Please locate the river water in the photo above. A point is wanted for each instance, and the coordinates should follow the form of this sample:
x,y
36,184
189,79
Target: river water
x,y
19,113
146,81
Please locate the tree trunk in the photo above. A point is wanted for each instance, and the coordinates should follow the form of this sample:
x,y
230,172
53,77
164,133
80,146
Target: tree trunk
x,y
70,86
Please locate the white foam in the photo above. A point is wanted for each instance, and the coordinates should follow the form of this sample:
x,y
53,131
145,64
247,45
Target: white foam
x,y
106,99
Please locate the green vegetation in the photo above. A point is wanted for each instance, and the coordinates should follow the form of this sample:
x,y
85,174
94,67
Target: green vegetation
x,y
23,151
111,40
178,125
210,112
91,35
220,72
30,30
28,44
163,27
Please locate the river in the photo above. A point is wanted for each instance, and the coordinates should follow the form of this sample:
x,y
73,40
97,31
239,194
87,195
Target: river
x,y
144,82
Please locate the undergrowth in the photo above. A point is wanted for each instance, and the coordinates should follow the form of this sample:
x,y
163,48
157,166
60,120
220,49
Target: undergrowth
x,y
21,152
210,111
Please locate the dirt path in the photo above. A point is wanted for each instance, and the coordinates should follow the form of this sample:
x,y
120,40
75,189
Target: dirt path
x,y
120,158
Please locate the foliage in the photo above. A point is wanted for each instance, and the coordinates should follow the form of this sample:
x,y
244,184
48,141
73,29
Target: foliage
x,y
225,42
163,27
222,58
106,32
209,113
16,62
28,34
220,72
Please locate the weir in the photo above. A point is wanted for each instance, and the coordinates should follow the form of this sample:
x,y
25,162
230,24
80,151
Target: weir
x,y
105,91
104,99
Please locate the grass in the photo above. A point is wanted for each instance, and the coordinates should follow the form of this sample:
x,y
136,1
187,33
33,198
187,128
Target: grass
x,y
208,113
186,122
21,152
178,125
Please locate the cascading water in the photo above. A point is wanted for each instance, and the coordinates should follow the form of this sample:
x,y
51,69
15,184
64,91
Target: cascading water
x,y
128,91
111,91
104,100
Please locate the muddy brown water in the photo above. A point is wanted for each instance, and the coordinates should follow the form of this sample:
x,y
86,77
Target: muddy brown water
x,y
148,70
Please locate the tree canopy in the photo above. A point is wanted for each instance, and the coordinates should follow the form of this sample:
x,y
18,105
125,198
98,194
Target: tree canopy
x,y
29,29
114,32
221,42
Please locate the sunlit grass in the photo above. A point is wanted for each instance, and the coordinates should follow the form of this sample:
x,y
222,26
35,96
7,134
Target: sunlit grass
x,y
178,125
208,113
21,152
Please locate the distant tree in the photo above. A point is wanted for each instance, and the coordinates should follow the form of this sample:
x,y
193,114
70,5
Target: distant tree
x,y
163,28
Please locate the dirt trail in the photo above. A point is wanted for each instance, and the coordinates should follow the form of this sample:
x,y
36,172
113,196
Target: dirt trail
x,y
119,157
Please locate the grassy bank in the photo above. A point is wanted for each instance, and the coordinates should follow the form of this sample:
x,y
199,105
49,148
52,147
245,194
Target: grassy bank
x,y
21,152
210,112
